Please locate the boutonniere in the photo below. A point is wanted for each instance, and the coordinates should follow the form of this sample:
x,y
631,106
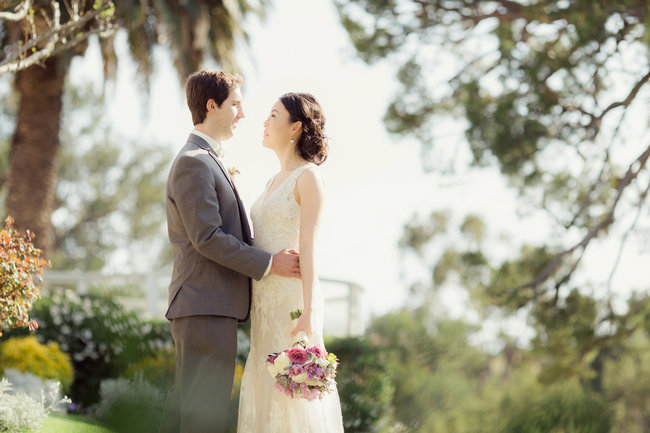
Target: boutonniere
x,y
233,172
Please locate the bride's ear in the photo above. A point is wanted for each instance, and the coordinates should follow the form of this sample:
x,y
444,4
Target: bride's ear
x,y
296,127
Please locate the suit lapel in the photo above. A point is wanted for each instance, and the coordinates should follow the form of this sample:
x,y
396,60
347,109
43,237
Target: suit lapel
x,y
195,139
246,230
221,166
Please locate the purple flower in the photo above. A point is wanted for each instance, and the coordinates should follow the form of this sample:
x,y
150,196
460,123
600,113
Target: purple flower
x,y
271,357
320,375
296,370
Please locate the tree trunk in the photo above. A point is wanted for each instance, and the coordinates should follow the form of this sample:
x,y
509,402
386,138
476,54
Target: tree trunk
x,y
34,149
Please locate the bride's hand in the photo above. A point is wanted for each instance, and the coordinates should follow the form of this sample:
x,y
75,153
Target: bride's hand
x,y
304,324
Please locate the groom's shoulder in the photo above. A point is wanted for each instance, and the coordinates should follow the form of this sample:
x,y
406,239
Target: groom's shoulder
x,y
191,150
190,157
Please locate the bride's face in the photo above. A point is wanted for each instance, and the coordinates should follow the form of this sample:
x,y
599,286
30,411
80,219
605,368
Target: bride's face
x,y
278,128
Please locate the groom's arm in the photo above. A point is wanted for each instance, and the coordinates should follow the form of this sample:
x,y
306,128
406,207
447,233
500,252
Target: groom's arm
x,y
192,190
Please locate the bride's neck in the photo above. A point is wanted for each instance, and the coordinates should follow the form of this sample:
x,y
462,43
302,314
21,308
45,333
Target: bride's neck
x,y
289,159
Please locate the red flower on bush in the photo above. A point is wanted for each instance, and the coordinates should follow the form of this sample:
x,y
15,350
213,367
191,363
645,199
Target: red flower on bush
x,y
20,260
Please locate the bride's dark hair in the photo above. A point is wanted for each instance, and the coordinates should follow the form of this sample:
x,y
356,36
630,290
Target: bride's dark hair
x,y
312,145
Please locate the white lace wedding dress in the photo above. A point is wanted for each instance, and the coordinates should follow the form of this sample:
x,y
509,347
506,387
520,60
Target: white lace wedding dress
x,y
262,408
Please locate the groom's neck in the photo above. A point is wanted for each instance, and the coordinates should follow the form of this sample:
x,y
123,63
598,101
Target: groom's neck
x,y
212,134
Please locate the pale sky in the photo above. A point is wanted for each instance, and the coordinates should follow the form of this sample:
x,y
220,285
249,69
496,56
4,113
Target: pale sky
x,y
374,182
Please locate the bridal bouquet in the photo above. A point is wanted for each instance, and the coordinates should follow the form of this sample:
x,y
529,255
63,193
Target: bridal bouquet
x,y
303,371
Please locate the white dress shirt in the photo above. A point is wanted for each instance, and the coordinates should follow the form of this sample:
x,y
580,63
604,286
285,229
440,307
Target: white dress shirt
x,y
218,149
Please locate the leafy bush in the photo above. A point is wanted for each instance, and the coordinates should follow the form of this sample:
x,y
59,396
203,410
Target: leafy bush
x,y
564,407
364,386
46,361
231,423
20,413
130,406
20,261
157,369
32,386
101,337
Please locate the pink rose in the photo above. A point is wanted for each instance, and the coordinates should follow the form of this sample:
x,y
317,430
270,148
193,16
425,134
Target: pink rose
x,y
298,355
317,351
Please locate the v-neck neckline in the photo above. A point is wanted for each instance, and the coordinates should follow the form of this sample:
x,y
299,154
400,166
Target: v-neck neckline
x,y
268,193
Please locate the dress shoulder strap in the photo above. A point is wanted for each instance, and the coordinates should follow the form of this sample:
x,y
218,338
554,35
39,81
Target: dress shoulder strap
x,y
298,171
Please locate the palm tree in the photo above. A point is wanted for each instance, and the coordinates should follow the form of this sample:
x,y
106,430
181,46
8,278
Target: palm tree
x,y
190,29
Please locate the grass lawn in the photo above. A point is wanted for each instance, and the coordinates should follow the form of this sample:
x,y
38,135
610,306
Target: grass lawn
x,y
59,423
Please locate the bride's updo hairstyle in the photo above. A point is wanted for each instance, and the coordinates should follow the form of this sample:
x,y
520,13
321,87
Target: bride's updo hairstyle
x,y
303,107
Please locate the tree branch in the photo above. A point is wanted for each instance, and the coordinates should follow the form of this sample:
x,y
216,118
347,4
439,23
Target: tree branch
x,y
642,199
630,97
19,59
19,14
632,172
587,200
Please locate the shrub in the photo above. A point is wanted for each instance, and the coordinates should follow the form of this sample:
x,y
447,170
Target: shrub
x,y
20,261
20,413
46,361
157,369
130,406
102,338
364,386
32,386
564,407
231,423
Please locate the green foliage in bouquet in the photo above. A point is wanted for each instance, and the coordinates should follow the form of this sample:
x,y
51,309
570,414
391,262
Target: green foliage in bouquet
x,y
20,261
364,385
130,406
102,338
43,360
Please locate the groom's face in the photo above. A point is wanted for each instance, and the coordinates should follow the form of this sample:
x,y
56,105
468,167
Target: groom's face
x,y
226,117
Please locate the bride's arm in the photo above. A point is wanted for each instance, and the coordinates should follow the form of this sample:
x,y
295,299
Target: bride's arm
x,y
309,194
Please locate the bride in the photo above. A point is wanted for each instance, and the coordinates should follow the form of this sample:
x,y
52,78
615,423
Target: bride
x,y
287,215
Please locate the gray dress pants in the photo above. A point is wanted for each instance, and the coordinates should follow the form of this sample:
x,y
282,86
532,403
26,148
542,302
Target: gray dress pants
x,y
206,348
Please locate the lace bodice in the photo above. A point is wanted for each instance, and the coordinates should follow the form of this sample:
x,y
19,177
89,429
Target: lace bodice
x,y
263,409
276,215
276,223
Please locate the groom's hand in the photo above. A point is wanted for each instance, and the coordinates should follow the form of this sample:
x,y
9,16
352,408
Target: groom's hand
x,y
286,263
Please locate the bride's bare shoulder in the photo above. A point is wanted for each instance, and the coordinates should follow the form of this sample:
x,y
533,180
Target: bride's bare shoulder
x,y
311,177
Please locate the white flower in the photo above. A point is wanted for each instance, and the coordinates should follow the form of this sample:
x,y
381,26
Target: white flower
x,y
300,378
322,363
282,362
272,369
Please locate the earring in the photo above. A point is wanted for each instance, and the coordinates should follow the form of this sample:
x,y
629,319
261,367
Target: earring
x,y
293,141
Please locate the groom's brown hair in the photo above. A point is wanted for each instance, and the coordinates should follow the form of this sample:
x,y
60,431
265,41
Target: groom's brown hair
x,y
208,84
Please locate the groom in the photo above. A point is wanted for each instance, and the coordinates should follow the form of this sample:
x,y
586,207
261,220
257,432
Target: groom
x,y
210,290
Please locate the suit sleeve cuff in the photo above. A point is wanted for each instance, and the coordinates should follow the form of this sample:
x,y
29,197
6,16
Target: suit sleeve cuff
x,y
268,268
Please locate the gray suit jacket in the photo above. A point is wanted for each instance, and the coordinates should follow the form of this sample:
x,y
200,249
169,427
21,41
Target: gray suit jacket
x,y
210,238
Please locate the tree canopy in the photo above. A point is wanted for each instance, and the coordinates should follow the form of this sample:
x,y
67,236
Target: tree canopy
x,y
552,94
